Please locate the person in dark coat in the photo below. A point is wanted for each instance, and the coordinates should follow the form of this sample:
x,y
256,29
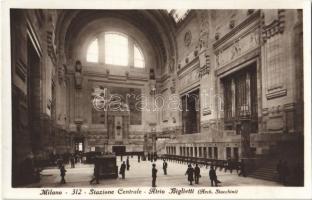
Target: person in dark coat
x,y
213,176
96,174
165,166
139,158
154,175
190,174
197,174
122,170
72,161
242,169
63,173
279,170
128,164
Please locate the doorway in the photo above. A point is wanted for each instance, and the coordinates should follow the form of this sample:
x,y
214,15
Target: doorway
x,y
191,112
79,145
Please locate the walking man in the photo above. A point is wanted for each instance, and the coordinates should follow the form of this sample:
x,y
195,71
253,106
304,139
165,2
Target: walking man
x,y
154,175
197,174
72,161
190,174
128,163
242,169
96,174
63,173
122,170
213,176
165,165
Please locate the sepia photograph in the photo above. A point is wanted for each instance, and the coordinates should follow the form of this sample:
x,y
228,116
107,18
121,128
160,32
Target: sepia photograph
x,y
198,100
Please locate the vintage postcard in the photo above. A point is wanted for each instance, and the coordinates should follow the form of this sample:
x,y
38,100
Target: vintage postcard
x,y
133,99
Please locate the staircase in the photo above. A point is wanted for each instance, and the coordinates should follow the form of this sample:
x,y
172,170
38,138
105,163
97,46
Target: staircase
x,y
267,171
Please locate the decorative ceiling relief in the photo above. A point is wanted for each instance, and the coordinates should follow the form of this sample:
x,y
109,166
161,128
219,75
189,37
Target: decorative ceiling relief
x,y
188,38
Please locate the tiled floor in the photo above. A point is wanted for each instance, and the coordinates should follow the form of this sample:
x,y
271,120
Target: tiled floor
x,y
140,175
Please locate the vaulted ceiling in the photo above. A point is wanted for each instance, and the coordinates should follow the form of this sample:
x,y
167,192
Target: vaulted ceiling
x,y
157,26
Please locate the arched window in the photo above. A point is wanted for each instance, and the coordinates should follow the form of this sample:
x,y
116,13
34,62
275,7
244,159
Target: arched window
x,y
138,58
116,49
93,52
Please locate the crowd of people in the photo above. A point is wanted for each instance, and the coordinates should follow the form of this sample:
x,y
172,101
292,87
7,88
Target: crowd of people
x,y
193,171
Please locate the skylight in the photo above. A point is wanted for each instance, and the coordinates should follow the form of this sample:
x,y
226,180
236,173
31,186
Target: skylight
x,y
178,15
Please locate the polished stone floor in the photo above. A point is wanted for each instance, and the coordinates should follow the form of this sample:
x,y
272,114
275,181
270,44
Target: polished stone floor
x,y
140,175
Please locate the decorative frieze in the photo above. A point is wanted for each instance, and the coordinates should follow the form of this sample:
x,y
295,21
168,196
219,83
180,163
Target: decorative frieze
x,y
238,47
189,78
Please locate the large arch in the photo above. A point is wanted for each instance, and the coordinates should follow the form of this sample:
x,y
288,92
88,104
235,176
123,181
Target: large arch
x,y
156,26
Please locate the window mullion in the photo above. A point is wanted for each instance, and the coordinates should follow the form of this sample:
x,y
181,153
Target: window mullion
x,y
101,44
131,52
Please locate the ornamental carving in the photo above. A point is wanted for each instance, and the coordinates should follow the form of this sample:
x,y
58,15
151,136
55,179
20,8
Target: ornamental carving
x,y
203,19
173,86
78,75
51,40
273,23
238,47
61,73
171,65
187,38
205,69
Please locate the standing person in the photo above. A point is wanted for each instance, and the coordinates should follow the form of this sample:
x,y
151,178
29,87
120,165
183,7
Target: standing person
x,y
139,158
63,173
120,158
165,166
190,172
213,176
72,161
279,170
242,169
197,174
122,170
128,163
154,175
96,174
